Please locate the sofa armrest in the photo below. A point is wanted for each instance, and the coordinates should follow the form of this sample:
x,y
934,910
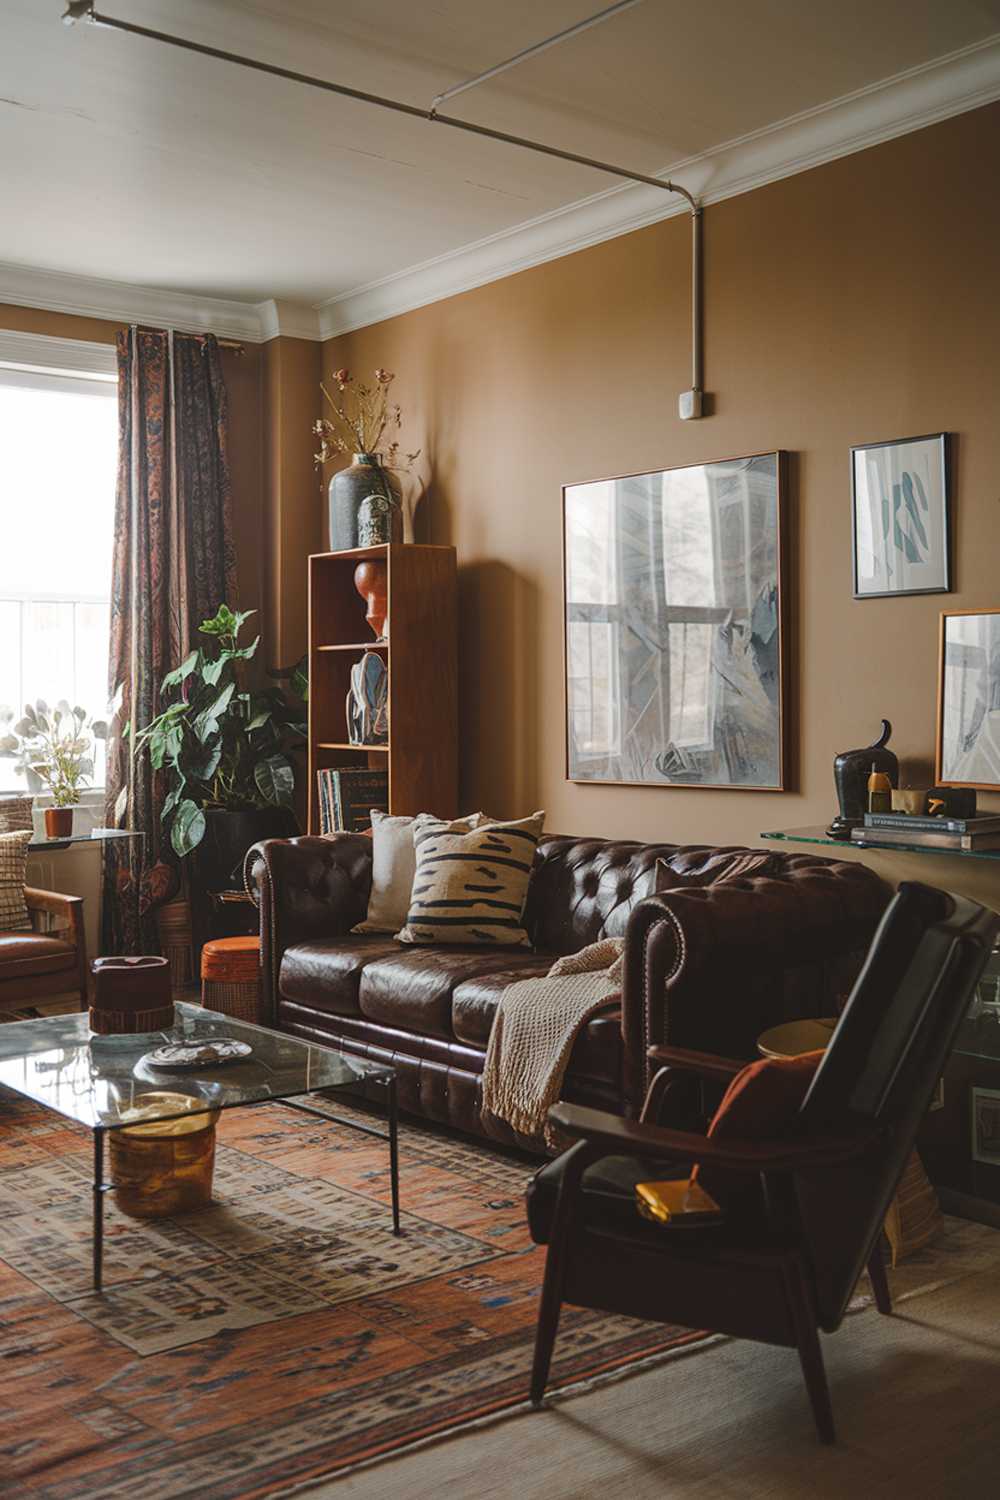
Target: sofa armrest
x,y
66,913
709,969
306,888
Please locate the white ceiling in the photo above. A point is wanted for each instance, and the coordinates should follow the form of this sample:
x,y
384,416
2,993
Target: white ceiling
x,y
131,162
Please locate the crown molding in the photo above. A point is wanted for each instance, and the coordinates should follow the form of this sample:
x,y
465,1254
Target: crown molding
x,y
909,101
121,302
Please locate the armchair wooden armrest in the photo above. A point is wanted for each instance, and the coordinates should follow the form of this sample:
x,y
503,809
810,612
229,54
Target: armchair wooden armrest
x,y
703,1064
621,1137
53,902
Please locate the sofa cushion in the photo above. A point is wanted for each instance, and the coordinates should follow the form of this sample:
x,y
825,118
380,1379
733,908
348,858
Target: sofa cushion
x,y
13,857
412,989
326,975
475,1000
23,954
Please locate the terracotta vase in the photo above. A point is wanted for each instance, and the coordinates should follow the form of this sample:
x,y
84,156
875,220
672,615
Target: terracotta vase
x,y
371,582
58,822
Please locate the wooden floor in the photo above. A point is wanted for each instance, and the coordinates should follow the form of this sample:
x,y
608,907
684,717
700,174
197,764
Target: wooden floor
x,y
916,1397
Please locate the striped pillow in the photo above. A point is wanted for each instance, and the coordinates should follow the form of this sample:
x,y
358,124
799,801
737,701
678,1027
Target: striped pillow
x,y
13,858
470,887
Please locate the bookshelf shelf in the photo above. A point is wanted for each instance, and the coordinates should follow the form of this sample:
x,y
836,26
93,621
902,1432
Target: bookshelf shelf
x,y
421,757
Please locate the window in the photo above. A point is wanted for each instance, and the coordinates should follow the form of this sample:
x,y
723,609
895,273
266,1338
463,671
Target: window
x,y
58,456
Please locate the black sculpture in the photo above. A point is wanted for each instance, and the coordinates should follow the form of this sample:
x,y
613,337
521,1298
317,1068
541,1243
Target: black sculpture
x,y
851,769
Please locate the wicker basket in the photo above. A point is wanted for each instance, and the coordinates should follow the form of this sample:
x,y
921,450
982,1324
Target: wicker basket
x,y
230,977
15,814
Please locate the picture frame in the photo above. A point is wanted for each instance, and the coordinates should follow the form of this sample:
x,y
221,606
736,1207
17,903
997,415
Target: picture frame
x,y
675,636
985,1123
901,517
968,706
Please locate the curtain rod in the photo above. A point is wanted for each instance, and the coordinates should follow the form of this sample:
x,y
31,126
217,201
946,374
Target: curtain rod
x,y
690,403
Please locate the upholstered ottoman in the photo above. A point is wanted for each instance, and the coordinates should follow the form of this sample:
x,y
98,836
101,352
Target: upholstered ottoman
x,y
230,977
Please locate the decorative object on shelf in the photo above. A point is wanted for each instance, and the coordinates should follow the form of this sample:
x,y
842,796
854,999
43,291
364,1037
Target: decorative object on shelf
x,y
909,800
225,748
879,792
371,579
986,1125
162,1167
368,701
347,798
16,814
851,769
361,414
951,802
900,521
230,977
379,522
131,995
968,731
674,630
55,748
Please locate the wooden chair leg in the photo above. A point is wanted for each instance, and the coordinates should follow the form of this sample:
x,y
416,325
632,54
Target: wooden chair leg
x,y
879,1280
810,1354
548,1323
556,1261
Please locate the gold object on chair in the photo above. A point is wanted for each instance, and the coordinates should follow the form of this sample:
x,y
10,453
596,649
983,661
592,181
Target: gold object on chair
x,y
162,1167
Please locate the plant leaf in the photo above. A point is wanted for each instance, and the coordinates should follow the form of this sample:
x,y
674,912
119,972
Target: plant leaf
x,y
188,828
178,675
207,722
275,780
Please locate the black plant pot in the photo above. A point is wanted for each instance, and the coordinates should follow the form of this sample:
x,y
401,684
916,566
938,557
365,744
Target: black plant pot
x,y
228,835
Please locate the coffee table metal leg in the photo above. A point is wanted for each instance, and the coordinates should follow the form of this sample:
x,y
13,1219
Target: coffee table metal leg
x,y
98,1208
393,1114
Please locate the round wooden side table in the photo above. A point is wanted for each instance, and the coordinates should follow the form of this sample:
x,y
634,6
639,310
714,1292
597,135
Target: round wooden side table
x,y
914,1215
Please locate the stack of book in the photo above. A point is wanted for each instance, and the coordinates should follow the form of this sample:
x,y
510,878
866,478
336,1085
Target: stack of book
x,y
962,834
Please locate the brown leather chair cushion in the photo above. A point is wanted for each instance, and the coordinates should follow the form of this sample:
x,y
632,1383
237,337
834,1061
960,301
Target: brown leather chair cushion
x,y
23,954
413,989
326,975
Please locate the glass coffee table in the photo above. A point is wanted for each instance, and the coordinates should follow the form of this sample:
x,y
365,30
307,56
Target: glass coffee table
x,y
103,1083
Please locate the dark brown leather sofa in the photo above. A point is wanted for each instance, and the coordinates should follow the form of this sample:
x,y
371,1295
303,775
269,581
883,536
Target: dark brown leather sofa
x,y
706,969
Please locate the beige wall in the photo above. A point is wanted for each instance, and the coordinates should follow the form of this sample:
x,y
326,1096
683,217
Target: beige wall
x,y
293,505
855,302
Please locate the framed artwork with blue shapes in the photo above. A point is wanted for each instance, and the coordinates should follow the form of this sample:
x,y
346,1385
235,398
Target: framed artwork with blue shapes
x,y
900,516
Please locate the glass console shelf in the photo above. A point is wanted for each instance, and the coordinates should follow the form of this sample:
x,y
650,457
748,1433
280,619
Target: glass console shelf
x,y
820,836
94,836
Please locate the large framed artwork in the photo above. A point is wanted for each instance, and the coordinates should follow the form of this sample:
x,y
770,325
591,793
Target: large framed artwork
x,y
968,739
674,628
899,498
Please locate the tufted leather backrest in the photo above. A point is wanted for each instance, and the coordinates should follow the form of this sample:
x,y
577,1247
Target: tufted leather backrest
x,y
584,889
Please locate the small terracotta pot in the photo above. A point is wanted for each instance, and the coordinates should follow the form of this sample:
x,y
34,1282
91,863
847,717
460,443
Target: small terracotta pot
x,y
58,822
371,582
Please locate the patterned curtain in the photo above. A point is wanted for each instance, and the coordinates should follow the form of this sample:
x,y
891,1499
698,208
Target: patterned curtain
x,y
173,565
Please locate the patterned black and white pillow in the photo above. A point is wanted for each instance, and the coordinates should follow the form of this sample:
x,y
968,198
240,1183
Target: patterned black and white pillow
x,y
471,885
13,858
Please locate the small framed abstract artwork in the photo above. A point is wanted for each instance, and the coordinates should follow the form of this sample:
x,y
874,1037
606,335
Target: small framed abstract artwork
x,y
900,518
968,737
986,1126
675,631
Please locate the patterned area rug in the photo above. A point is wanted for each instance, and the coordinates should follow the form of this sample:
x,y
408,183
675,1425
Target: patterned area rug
x,y
280,1335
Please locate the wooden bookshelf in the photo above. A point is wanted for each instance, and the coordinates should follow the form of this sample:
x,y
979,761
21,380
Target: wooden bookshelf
x,y
421,653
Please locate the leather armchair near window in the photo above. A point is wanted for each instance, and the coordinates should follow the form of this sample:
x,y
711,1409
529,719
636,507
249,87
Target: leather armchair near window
x,y
51,959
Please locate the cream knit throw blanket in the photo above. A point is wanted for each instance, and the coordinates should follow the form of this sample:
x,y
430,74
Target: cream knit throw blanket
x,y
536,1024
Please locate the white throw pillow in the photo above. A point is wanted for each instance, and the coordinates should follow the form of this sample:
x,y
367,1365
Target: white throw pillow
x,y
394,864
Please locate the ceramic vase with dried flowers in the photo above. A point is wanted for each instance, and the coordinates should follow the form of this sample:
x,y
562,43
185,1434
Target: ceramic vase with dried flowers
x,y
366,506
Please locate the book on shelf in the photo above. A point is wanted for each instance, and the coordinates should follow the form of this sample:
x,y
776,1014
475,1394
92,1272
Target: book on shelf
x,y
347,796
921,838
987,823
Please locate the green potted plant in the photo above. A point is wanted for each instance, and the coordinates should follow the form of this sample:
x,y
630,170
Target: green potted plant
x,y
225,750
54,747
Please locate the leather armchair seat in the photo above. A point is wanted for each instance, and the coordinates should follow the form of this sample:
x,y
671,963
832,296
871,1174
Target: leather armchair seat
x,y
39,964
26,953
706,968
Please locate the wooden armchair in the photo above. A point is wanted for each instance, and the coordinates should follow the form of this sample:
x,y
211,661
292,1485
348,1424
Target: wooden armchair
x,y
38,964
786,1267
